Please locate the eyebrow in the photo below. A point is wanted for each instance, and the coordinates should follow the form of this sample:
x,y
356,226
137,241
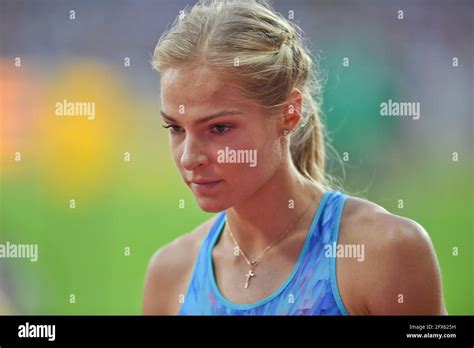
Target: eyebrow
x,y
206,118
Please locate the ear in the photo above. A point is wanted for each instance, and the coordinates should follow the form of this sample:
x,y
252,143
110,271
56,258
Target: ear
x,y
292,111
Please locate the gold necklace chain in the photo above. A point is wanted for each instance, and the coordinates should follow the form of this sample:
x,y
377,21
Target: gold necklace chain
x,y
253,264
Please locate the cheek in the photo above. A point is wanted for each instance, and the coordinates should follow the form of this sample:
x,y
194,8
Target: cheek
x,y
245,176
176,150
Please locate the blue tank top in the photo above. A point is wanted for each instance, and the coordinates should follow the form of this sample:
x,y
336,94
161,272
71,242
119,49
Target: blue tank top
x,y
310,289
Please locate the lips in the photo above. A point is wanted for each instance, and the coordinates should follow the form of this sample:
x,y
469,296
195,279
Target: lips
x,y
204,186
204,182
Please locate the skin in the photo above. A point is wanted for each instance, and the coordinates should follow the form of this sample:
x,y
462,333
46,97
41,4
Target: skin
x,y
399,257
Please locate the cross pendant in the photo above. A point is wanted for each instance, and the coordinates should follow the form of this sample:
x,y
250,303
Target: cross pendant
x,y
249,274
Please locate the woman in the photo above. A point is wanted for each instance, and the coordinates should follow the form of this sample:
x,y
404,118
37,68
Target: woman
x,y
245,133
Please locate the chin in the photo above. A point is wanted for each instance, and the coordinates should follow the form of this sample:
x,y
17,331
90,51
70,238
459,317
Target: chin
x,y
212,204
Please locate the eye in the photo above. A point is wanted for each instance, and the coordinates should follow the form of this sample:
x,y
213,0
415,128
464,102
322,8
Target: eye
x,y
220,129
173,128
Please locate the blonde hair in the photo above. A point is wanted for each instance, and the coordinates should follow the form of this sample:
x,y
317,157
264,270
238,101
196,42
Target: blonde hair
x,y
249,43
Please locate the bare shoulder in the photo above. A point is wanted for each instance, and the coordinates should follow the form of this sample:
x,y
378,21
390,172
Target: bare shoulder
x,y
376,227
399,271
169,271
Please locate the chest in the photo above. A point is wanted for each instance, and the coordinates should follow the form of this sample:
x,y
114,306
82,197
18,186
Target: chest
x,y
241,284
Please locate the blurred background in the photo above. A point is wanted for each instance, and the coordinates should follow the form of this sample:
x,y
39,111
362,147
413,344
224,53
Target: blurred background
x,y
118,171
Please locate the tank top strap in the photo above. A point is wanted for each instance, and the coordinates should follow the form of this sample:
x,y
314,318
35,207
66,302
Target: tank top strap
x,y
199,282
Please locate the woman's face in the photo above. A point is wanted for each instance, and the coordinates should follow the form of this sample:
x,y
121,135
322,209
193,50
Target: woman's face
x,y
225,147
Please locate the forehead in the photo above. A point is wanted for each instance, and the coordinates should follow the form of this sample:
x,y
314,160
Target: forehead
x,y
199,90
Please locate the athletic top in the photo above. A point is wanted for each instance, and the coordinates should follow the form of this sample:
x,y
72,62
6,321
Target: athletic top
x,y
310,289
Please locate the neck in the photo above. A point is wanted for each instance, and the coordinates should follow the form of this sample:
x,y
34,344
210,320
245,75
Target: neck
x,y
261,219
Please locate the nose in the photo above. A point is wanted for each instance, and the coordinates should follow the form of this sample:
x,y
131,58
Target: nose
x,y
193,155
